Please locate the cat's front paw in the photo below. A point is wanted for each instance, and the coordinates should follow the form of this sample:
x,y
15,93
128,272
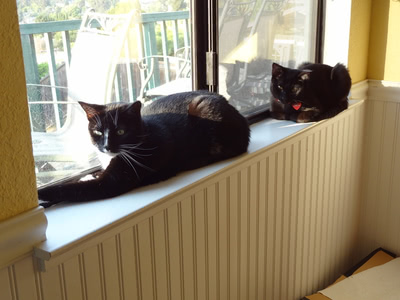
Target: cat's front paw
x,y
49,196
278,115
305,117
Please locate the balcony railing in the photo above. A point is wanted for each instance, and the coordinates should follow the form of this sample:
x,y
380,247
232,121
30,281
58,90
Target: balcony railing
x,y
158,35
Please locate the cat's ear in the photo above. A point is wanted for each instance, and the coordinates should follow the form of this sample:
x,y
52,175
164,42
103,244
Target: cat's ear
x,y
305,75
277,70
134,108
91,109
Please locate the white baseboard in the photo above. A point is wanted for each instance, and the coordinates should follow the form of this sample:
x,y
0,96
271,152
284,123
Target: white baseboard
x,y
19,234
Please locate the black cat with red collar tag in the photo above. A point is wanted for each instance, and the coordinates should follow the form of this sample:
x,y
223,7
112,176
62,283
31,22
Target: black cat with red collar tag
x,y
312,92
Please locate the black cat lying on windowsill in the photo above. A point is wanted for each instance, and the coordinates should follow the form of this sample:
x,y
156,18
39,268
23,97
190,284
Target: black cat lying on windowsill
x,y
175,133
312,92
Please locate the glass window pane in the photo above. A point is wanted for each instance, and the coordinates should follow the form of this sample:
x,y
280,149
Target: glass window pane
x,y
252,35
121,51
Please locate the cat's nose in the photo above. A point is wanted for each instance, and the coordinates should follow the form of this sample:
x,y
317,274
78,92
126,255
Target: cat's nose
x,y
106,148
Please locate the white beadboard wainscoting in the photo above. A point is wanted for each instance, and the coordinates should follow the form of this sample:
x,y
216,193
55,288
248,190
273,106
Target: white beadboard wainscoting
x,y
380,206
278,223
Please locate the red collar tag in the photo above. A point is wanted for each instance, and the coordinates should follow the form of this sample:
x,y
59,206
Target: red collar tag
x,y
296,106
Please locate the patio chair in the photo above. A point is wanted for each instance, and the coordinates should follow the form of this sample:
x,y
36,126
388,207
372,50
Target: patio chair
x,y
90,77
181,80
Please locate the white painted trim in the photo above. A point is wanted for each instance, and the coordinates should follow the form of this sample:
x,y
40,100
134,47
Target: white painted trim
x,y
381,90
19,234
359,90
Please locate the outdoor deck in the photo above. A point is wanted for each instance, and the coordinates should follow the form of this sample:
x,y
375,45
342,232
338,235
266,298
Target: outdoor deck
x,y
160,35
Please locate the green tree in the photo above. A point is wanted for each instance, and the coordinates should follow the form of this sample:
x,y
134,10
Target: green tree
x,y
167,5
125,7
102,5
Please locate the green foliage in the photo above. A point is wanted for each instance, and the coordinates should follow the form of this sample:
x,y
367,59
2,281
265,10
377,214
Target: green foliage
x,y
123,7
170,45
72,11
43,70
167,5
49,10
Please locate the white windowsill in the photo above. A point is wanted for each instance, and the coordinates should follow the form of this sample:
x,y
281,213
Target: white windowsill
x,y
70,224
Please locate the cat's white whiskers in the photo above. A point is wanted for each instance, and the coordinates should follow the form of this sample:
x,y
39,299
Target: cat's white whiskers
x,y
138,155
129,155
126,159
136,147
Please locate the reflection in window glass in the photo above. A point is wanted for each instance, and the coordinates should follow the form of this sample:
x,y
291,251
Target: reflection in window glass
x,y
252,35
100,52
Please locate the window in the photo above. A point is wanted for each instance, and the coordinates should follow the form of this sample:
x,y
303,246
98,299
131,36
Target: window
x,y
100,52
130,50
252,35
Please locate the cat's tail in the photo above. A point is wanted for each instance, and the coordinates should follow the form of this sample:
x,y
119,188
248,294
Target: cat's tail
x,y
341,80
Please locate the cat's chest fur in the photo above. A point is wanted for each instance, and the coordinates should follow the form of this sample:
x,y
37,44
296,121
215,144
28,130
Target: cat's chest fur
x,y
104,159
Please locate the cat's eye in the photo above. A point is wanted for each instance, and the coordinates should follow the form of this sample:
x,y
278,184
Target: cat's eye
x,y
96,132
120,132
280,87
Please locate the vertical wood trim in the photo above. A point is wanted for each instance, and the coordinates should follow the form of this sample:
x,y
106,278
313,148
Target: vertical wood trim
x,y
294,221
119,266
5,284
212,241
244,234
12,282
270,261
223,238
129,266
188,257
234,225
174,252
201,288
159,241
144,247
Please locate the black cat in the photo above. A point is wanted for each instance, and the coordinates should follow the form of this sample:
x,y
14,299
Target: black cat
x,y
175,133
312,92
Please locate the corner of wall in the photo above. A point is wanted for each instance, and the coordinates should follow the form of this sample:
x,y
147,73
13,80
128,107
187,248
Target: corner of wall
x,y
17,184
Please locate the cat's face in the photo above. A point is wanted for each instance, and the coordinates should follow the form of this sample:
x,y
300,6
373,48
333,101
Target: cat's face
x,y
114,128
287,85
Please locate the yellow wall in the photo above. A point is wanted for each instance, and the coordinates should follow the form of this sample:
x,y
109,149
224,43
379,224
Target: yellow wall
x,y
17,176
384,45
359,39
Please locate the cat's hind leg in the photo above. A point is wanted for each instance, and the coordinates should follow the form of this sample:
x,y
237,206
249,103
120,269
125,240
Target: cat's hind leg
x,y
332,112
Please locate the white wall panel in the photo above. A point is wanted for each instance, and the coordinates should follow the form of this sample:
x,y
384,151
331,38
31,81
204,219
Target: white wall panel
x,y
380,205
278,226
